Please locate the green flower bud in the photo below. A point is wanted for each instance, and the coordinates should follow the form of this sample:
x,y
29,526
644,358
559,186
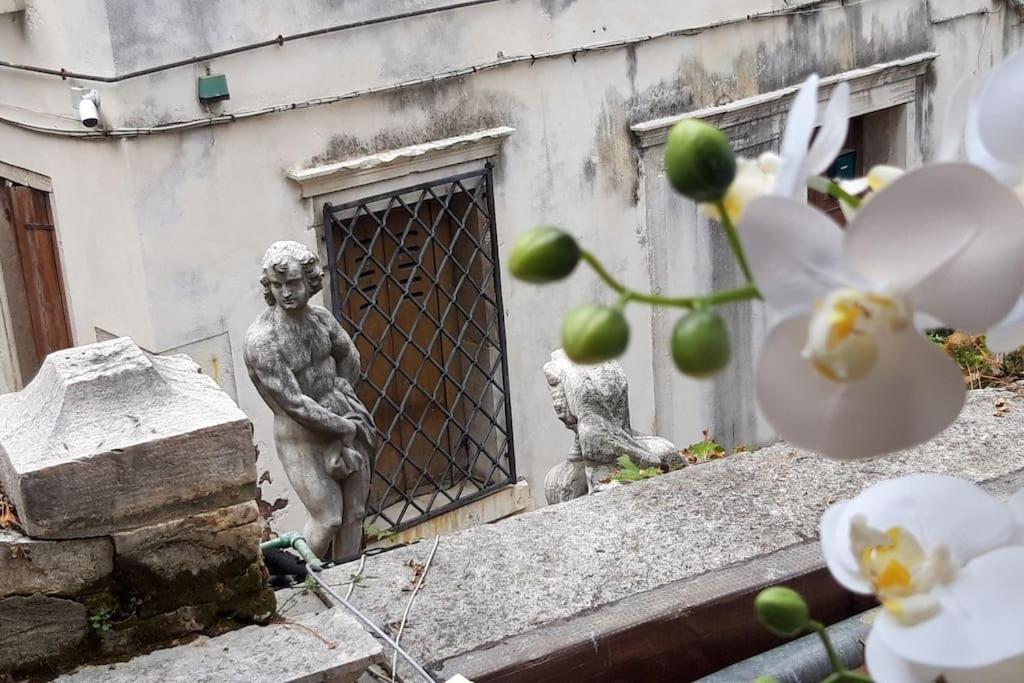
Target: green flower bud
x,y
544,255
699,161
700,344
782,610
594,334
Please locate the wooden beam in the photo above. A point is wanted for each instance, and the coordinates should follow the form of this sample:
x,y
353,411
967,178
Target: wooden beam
x,y
678,632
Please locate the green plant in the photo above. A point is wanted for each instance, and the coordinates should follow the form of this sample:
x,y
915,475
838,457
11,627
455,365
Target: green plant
x,y
100,619
707,449
629,471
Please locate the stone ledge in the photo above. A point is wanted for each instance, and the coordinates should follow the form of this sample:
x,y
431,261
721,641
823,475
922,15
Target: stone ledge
x,y
66,568
106,438
494,582
329,646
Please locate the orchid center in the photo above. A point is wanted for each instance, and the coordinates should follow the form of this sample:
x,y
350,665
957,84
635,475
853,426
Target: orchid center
x,y
842,339
901,572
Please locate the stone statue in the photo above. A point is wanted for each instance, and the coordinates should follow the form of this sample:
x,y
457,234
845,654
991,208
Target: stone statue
x,y
593,402
305,366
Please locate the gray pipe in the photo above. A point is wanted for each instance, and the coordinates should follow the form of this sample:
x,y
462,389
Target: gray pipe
x,y
802,660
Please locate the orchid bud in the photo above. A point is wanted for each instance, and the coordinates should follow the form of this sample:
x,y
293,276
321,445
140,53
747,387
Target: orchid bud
x,y
782,610
700,344
699,161
544,255
594,334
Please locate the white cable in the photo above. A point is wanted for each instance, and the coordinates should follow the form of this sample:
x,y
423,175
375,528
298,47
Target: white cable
x,y
408,607
369,623
232,117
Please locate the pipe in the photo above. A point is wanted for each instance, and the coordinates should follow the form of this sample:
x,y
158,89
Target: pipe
x,y
803,659
279,41
372,626
295,541
234,117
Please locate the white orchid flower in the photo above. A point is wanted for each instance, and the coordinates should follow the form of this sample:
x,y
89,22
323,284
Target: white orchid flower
x,y
786,174
994,141
864,188
943,557
799,158
844,371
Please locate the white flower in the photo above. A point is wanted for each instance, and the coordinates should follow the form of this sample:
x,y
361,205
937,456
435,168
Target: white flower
x,y
864,188
994,141
844,372
799,158
786,174
942,556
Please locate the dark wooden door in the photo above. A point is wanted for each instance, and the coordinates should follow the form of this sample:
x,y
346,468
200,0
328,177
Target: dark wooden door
x,y
32,221
407,277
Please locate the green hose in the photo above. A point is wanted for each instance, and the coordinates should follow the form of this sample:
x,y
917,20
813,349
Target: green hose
x,y
295,541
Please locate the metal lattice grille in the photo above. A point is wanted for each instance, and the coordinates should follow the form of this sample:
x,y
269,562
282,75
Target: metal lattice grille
x,y
415,281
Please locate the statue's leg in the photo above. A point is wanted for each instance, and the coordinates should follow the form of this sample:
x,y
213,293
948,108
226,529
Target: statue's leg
x,y
301,454
355,490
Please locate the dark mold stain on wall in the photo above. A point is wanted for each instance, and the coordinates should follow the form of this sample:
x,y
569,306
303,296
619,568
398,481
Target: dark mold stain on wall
x,y
425,113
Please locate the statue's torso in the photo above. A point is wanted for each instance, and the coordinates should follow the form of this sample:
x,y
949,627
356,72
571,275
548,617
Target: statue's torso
x,y
305,346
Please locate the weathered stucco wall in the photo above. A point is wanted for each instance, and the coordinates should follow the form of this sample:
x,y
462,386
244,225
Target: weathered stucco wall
x,y
162,234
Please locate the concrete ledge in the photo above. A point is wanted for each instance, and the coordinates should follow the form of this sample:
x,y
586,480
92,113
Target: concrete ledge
x,y
665,566
330,646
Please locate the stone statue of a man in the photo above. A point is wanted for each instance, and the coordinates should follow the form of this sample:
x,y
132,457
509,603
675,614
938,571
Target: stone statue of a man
x,y
304,366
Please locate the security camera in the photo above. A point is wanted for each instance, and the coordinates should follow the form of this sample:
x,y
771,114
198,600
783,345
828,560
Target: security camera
x,y
88,109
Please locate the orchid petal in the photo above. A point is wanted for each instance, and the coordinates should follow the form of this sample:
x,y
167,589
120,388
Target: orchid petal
x,y
914,391
835,548
832,134
980,622
1008,334
935,508
951,237
1001,110
979,155
794,252
1016,505
799,126
854,186
885,665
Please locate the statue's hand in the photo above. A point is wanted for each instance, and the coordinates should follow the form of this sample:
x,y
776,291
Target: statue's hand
x,y
348,433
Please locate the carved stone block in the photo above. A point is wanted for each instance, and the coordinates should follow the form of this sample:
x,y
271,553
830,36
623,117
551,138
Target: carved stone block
x,y
106,438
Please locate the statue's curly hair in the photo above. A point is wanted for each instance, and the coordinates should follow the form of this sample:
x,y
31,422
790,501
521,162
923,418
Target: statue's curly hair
x,y
279,255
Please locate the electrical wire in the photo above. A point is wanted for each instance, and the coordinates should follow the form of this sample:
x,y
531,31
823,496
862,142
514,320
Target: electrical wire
x,y
369,624
279,41
408,606
239,115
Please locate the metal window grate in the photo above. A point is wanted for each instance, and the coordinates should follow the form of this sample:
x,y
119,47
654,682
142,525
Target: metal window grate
x,y
415,280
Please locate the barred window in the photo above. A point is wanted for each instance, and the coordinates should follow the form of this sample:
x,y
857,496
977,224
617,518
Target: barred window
x,y
415,281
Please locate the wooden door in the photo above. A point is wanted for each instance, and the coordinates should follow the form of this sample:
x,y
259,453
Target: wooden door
x,y
405,280
32,221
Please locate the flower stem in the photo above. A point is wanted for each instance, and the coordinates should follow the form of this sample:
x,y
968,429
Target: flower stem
x,y
841,672
842,195
626,294
734,239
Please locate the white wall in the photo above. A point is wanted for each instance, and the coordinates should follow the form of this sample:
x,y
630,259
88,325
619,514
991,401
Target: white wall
x,y
162,234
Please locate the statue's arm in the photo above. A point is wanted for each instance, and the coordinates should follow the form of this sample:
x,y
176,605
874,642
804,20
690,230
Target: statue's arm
x,y
277,382
346,355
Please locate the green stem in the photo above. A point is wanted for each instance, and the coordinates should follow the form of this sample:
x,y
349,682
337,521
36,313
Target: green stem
x,y
626,294
833,656
734,239
842,195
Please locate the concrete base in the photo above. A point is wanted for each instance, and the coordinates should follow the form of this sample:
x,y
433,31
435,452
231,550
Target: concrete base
x,y
330,646
493,586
